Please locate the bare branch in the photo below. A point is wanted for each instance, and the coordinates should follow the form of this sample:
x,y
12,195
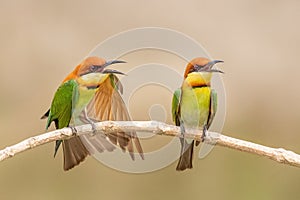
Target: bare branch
x,y
277,154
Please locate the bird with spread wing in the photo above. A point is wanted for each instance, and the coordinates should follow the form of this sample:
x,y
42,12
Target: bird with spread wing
x,y
91,93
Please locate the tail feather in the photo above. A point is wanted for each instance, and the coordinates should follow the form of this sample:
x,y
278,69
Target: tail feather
x,y
186,157
74,152
96,143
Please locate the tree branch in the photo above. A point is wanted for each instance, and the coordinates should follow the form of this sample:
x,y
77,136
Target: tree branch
x,y
277,154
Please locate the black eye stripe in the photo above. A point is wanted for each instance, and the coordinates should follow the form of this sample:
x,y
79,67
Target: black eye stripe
x,y
194,68
94,68
90,69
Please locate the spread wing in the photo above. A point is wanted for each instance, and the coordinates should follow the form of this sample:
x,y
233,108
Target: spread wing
x,y
108,104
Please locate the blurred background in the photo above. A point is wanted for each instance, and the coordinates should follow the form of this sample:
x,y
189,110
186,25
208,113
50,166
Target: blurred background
x,y
41,42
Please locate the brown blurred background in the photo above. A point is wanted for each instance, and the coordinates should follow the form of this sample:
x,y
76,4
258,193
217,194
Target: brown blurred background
x,y
258,40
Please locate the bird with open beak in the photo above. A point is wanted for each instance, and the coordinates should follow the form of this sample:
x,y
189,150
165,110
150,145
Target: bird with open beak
x,y
194,105
90,93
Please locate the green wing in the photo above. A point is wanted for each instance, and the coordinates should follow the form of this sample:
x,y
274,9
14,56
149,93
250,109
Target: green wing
x,y
213,107
61,107
175,106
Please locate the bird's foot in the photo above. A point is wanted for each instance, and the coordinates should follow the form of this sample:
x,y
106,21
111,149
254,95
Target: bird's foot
x,y
85,118
93,127
182,129
74,130
204,133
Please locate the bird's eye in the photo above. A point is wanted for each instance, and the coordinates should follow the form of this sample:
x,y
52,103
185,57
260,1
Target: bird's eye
x,y
93,68
197,68
193,69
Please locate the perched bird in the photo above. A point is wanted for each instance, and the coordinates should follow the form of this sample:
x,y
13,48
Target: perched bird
x,y
88,94
194,105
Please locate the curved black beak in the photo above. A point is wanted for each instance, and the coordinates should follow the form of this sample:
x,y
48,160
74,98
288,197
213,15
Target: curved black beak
x,y
112,71
208,67
112,62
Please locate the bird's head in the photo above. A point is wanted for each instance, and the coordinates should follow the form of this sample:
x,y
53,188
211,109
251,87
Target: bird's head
x,y
201,69
202,65
93,71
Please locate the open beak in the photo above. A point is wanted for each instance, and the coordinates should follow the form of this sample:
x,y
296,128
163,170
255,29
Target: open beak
x,y
209,66
112,71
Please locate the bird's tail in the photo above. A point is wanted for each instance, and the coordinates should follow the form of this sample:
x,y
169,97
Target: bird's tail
x,y
186,156
74,152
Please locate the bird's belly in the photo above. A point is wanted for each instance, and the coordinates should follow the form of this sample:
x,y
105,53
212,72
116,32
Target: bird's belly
x,y
195,107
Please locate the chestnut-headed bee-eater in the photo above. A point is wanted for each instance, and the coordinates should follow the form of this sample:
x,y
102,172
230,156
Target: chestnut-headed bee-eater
x,y
88,94
194,105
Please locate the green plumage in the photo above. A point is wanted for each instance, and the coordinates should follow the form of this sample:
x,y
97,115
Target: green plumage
x,y
195,108
61,108
192,107
175,106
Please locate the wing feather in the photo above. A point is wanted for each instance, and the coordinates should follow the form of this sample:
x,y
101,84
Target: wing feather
x,y
213,107
108,104
61,107
61,112
176,106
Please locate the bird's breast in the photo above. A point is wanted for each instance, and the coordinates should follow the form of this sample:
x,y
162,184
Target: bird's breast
x,y
195,104
85,95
